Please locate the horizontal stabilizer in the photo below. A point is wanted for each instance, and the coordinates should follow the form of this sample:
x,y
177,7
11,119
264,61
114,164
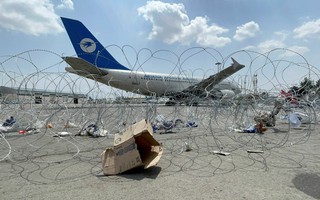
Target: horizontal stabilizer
x,y
83,67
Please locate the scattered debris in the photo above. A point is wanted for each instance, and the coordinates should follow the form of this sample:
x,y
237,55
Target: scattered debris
x,y
69,124
266,118
9,122
63,134
93,130
220,153
191,124
257,128
32,130
255,151
303,118
49,125
187,147
162,124
29,130
294,120
9,125
5,128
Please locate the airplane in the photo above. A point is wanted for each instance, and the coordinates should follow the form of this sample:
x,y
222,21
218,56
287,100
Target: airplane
x,y
93,61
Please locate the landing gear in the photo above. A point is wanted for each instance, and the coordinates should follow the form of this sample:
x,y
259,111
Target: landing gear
x,y
170,103
192,103
173,103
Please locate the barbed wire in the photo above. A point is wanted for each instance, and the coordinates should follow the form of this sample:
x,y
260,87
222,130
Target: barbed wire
x,y
192,135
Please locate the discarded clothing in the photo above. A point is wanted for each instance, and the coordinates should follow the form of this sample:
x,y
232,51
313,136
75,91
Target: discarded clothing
x,y
5,128
62,134
162,124
294,120
29,130
258,128
8,125
9,122
69,124
94,131
250,129
191,124
167,125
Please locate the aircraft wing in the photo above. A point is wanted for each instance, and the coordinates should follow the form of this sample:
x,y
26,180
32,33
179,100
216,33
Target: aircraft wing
x,y
216,78
82,67
200,88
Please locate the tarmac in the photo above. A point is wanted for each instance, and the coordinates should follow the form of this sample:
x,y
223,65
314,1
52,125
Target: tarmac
x,y
285,165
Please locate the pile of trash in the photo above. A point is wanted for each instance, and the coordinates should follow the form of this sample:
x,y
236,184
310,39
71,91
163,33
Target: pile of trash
x,y
162,124
9,124
296,119
93,130
267,118
253,128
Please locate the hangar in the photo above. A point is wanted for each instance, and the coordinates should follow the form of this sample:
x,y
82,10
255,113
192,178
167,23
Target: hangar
x,y
18,95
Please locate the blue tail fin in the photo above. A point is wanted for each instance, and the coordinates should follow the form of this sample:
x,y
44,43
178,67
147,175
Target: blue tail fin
x,y
88,47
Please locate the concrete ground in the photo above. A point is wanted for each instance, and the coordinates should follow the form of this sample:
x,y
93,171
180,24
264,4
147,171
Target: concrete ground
x,y
287,165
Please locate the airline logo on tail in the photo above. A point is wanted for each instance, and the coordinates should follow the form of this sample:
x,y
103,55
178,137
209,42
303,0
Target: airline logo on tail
x,y
88,45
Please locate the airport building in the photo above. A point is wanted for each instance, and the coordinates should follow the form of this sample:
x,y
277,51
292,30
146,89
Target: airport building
x,y
13,95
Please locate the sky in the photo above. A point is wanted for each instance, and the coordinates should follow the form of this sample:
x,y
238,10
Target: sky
x,y
226,26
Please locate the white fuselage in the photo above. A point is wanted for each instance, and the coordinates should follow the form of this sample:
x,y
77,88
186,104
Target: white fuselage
x,y
148,83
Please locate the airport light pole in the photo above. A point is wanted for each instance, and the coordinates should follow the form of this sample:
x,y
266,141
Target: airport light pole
x,y
255,83
218,64
245,84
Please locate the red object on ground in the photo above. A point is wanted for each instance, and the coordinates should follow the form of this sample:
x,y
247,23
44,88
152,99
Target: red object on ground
x,y
289,96
22,131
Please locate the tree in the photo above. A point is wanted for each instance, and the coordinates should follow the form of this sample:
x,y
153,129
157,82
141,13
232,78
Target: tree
x,y
307,84
317,87
294,90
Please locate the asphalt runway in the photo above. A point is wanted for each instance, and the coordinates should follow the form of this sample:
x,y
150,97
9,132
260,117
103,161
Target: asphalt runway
x,y
286,164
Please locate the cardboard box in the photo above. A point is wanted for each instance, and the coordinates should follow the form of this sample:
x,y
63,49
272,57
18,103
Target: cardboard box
x,y
134,147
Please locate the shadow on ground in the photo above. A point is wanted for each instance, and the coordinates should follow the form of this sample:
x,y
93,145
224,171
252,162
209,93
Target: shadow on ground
x,y
308,183
137,173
